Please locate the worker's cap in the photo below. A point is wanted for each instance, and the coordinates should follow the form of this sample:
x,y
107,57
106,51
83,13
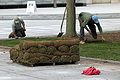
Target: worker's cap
x,y
16,20
95,19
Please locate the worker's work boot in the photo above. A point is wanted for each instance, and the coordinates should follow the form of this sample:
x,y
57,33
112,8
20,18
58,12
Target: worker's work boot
x,y
82,42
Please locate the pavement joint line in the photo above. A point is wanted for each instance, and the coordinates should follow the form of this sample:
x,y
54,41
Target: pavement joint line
x,y
22,74
5,47
87,58
101,60
56,16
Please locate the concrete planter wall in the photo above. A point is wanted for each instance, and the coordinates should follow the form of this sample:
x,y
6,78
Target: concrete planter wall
x,y
115,1
8,2
89,1
101,1
35,53
12,2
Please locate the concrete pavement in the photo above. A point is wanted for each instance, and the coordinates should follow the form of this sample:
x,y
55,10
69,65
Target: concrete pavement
x,y
102,10
13,71
47,21
50,25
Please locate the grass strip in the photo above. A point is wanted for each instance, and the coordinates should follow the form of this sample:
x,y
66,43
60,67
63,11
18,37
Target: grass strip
x,y
13,42
102,50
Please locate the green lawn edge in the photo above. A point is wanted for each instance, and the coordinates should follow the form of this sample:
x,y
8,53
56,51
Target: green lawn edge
x,y
13,42
102,50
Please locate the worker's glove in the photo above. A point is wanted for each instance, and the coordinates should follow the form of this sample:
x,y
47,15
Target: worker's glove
x,y
103,39
24,29
90,32
82,42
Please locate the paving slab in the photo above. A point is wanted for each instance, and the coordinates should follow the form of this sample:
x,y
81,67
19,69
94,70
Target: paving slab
x,y
13,71
102,10
40,28
47,21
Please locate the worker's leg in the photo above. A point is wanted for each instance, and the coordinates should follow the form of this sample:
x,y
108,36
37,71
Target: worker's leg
x,y
93,31
23,32
12,35
18,33
92,28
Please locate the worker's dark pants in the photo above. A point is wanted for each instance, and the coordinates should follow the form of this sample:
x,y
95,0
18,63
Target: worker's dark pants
x,y
20,33
92,28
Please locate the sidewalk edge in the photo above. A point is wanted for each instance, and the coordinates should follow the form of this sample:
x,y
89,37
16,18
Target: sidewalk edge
x,y
101,60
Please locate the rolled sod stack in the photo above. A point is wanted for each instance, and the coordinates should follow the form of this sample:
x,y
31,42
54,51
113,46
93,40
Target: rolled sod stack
x,y
33,53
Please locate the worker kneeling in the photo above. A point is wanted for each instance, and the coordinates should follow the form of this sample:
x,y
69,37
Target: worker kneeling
x,y
18,28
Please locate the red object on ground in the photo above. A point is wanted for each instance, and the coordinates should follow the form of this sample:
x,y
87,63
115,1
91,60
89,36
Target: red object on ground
x,y
91,71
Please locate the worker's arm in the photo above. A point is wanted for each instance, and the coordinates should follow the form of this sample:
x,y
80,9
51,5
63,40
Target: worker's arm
x,y
83,24
13,27
87,29
100,30
23,24
80,21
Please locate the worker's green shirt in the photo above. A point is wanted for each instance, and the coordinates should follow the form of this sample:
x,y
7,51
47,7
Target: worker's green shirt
x,y
19,25
84,18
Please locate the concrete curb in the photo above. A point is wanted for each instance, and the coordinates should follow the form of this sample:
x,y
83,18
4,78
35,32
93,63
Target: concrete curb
x,y
101,60
56,16
83,58
4,47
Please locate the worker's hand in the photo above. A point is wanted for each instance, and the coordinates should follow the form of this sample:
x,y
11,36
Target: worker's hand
x,y
90,32
24,29
103,38
82,42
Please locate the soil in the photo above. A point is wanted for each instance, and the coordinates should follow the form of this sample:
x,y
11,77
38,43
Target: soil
x,y
109,36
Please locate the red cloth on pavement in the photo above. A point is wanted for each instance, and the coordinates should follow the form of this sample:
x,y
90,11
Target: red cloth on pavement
x,y
91,71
